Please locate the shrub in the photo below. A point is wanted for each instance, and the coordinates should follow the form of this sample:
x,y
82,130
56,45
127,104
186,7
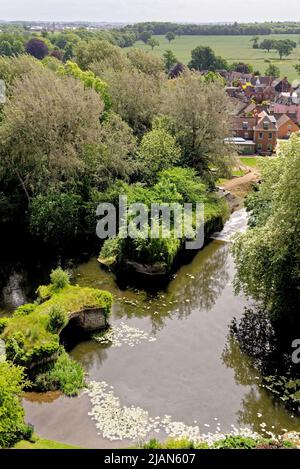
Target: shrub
x,y
59,278
57,319
12,426
3,324
236,442
24,310
68,375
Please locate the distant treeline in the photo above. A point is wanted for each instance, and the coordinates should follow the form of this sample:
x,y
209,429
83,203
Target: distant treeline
x,y
234,29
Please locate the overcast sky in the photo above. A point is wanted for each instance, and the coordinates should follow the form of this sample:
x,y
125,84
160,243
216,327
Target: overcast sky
x,y
147,10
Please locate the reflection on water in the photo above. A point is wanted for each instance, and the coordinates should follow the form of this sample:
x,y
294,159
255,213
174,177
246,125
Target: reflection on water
x,y
259,409
192,371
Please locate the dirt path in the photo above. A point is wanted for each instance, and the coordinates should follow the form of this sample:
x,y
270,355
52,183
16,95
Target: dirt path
x,y
240,186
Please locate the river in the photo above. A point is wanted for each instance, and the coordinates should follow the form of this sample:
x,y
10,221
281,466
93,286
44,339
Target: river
x,y
171,368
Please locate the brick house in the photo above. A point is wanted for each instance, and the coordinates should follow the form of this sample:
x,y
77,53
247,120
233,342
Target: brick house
x,y
265,134
286,126
243,127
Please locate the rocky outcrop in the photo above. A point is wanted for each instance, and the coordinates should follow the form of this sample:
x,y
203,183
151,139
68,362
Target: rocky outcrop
x,y
89,319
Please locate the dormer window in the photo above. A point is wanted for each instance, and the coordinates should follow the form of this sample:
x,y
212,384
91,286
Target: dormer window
x,y
266,125
245,125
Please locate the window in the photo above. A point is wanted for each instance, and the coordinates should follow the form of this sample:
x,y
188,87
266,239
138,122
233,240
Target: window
x,y
245,125
289,128
246,134
266,125
260,135
270,136
270,147
259,146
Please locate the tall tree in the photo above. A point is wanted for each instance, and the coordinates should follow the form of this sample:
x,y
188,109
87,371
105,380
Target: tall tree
x,y
284,47
169,59
170,36
200,125
152,42
204,58
267,255
47,124
267,44
37,48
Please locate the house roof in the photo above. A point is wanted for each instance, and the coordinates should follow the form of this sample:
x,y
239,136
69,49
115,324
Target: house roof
x,y
263,117
283,120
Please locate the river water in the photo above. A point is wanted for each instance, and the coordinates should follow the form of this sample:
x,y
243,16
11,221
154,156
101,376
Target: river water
x,y
169,355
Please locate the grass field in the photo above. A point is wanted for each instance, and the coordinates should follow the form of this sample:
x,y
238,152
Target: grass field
x,y
232,48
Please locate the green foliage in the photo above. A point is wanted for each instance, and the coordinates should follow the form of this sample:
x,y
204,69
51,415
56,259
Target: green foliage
x,y
145,62
31,337
58,319
59,279
236,442
3,324
89,80
12,426
65,375
267,255
169,60
24,310
175,185
152,42
204,58
55,217
272,71
158,150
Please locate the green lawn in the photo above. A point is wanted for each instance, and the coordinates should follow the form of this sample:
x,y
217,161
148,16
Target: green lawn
x,y
253,161
232,48
42,444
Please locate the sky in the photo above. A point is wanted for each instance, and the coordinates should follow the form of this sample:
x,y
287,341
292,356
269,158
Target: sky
x,y
151,10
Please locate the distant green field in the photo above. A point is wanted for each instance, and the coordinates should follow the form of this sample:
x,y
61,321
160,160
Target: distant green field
x,y
232,48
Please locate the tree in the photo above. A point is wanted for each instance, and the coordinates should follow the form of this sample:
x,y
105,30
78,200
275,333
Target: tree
x,y
145,62
89,79
200,125
12,425
145,36
135,96
177,70
170,36
58,54
241,67
284,47
273,71
204,58
158,151
267,44
267,255
37,48
152,42
169,60
99,54
46,125
6,49
297,68
255,40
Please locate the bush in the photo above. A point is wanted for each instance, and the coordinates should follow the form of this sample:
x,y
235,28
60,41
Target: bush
x,y
58,319
24,310
12,426
236,442
59,278
65,375
3,324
